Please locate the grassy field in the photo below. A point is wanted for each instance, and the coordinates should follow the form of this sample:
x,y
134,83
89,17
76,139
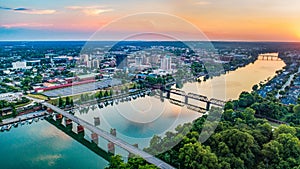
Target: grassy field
x,y
38,96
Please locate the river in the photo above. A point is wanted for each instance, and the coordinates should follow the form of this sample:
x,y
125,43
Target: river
x,y
41,145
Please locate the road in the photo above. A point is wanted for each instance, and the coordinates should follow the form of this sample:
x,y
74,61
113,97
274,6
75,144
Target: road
x,y
287,83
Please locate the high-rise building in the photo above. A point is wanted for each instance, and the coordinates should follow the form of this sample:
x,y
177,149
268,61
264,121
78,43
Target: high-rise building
x,y
154,59
121,61
84,58
95,63
138,61
165,63
89,64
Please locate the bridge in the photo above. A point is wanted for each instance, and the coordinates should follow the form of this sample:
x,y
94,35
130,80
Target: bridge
x,y
193,96
269,56
111,138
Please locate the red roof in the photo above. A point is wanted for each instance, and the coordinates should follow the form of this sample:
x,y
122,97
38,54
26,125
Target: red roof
x,y
64,85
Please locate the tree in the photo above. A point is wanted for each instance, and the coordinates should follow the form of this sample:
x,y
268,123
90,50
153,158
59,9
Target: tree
x,y
255,87
246,99
106,93
72,103
38,79
14,112
271,154
68,101
194,156
296,110
60,102
229,115
228,105
248,114
135,163
241,145
100,94
284,129
116,163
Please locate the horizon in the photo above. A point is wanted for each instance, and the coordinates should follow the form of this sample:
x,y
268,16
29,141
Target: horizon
x,y
81,40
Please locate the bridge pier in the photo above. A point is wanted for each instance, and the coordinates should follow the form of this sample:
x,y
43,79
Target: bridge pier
x,y
96,121
130,155
186,99
68,121
113,132
80,129
49,110
207,106
168,94
58,118
95,138
111,148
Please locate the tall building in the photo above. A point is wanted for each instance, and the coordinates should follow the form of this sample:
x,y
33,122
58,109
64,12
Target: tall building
x,y
165,63
89,64
138,61
95,63
84,58
121,61
154,59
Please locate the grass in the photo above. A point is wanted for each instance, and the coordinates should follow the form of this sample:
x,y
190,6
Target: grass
x,y
77,96
38,96
23,104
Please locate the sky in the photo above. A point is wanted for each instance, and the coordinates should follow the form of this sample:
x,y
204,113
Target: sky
x,y
230,20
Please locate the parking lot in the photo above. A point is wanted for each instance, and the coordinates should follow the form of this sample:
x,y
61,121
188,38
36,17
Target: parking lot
x,y
82,88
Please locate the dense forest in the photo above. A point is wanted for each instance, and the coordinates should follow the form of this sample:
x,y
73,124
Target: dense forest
x,y
240,140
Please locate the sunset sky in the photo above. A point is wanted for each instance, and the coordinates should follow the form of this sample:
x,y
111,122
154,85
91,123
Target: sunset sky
x,y
255,20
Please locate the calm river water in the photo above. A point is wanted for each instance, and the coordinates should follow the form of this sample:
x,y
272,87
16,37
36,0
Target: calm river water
x,y
41,145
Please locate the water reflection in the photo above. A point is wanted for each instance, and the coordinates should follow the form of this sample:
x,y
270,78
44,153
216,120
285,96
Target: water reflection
x,y
137,121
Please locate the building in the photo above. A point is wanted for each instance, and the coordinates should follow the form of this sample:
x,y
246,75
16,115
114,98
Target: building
x,y
138,61
89,64
121,61
19,65
11,96
95,63
84,58
165,63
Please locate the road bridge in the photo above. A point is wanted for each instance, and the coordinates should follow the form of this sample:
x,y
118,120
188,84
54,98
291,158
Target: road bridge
x,y
131,149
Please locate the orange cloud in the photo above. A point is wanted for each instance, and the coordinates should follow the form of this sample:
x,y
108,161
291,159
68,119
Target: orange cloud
x,y
15,25
90,10
38,12
203,3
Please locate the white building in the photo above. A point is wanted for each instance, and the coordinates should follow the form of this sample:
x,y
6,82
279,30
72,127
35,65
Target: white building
x,y
165,63
96,63
11,96
138,61
19,65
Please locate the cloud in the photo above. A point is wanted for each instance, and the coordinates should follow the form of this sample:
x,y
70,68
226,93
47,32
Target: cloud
x,y
90,10
22,25
29,11
38,12
202,3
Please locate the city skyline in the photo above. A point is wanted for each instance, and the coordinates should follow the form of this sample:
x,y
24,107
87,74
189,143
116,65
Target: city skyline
x,y
230,20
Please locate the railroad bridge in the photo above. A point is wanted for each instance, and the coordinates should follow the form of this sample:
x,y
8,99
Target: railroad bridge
x,y
269,57
187,97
